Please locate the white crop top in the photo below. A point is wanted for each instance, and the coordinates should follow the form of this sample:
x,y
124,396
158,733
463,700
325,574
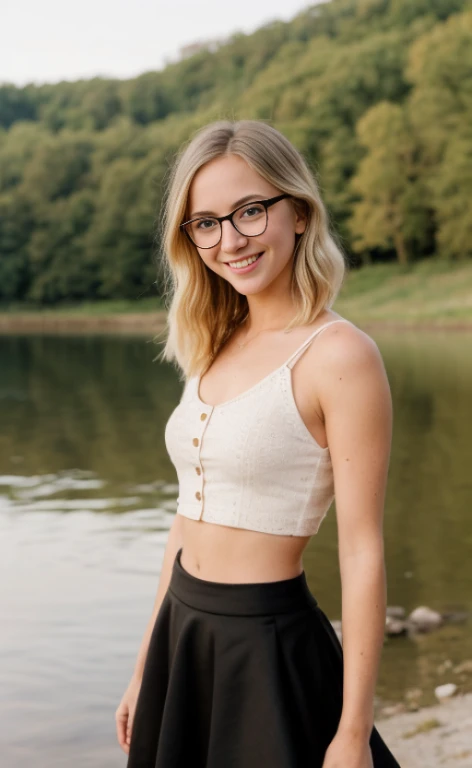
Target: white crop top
x,y
251,462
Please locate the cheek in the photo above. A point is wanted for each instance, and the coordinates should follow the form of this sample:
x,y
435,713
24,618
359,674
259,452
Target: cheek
x,y
281,237
208,257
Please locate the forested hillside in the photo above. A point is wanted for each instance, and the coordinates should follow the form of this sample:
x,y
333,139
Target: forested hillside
x,y
376,93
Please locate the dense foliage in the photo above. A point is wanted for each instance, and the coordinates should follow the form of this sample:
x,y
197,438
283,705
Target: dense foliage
x,y
376,93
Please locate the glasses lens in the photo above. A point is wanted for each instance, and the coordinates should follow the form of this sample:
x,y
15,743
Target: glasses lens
x,y
205,233
251,220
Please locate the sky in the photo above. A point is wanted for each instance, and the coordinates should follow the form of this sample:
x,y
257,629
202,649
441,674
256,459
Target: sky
x,y
52,40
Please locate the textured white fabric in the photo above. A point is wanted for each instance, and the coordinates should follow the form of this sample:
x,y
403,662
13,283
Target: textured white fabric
x,y
251,462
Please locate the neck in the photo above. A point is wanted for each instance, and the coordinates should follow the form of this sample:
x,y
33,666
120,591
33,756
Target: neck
x,y
271,317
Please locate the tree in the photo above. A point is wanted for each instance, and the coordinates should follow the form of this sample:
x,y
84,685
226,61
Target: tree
x,y
119,242
451,186
16,226
58,168
440,108
16,104
440,67
390,211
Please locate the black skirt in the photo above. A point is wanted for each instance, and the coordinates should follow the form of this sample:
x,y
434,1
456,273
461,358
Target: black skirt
x,y
240,676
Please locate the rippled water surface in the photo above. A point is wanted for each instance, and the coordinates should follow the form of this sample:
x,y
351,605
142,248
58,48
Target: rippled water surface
x,y
87,495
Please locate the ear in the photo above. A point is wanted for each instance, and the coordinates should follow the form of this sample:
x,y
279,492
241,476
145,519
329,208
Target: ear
x,y
301,217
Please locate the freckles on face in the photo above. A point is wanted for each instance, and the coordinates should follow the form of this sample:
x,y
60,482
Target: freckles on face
x,y
219,187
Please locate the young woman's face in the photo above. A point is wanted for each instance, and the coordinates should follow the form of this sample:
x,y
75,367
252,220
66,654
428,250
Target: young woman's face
x,y
216,190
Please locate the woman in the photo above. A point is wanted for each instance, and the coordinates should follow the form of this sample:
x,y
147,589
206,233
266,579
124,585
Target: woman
x,y
284,402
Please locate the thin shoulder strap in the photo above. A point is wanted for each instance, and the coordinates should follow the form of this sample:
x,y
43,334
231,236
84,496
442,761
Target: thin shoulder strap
x,y
298,352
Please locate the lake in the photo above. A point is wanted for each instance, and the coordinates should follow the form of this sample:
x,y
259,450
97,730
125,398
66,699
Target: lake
x,y
87,495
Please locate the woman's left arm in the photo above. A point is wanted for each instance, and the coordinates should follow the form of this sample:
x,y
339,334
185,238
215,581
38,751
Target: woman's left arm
x,y
356,402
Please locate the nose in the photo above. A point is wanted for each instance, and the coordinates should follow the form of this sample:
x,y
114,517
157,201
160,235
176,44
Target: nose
x,y
231,239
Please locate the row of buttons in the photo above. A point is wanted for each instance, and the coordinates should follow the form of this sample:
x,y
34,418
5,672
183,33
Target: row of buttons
x,y
198,469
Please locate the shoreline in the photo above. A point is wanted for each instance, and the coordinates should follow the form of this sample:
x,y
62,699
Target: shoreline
x,y
141,323
436,736
153,323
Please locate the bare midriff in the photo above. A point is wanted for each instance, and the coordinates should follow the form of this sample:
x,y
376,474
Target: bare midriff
x,y
233,555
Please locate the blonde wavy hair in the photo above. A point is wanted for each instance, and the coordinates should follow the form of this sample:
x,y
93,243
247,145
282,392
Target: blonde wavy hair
x,y
203,309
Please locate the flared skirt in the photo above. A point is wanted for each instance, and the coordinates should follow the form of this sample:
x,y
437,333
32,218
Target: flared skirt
x,y
240,676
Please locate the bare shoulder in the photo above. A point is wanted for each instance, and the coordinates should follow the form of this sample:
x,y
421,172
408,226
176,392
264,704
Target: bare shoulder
x,y
346,354
344,343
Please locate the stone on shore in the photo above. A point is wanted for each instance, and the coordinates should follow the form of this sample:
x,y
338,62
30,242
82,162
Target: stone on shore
x,y
445,691
424,619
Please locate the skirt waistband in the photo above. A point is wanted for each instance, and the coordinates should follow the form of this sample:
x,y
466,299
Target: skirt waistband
x,y
256,599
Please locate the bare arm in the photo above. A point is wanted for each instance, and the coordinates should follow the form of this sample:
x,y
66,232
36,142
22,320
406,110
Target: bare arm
x,y
356,402
174,543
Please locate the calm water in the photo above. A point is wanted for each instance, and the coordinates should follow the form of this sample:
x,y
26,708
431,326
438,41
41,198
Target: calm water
x,y
87,494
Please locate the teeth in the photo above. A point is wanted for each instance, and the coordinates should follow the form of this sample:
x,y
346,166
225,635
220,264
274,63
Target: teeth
x,y
245,262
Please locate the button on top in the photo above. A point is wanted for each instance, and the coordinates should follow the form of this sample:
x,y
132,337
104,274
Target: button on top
x,y
195,441
198,470
198,495
203,416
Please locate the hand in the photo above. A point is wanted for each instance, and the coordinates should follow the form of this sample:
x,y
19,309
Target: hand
x,y
124,715
348,751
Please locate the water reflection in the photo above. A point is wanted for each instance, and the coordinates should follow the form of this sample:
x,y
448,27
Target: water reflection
x,y
86,403
87,494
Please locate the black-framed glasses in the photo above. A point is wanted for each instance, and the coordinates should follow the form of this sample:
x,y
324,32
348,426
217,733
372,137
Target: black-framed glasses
x,y
249,220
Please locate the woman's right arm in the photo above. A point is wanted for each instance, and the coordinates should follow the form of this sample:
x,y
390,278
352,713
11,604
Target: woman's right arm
x,y
174,543
124,715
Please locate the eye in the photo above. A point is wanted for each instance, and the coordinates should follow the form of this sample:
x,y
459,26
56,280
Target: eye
x,y
205,224
252,210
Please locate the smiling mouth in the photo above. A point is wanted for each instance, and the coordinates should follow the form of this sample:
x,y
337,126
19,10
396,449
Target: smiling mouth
x,y
241,263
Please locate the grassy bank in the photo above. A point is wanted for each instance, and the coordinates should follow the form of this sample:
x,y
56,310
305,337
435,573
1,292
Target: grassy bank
x,y
430,294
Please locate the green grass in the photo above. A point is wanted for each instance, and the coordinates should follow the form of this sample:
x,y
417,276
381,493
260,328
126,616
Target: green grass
x,y
89,308
431,290
424,727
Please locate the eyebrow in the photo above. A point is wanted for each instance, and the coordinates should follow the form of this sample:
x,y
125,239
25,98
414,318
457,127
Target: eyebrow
x,y
236,204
